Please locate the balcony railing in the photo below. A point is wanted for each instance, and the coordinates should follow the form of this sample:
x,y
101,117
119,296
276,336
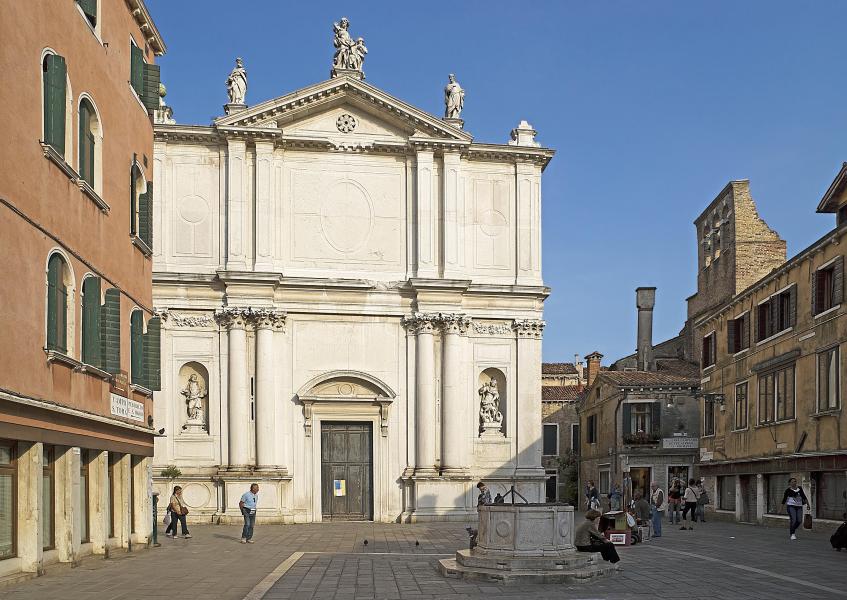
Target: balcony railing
x,y
641,439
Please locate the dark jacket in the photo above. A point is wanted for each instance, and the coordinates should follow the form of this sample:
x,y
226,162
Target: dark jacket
x,y
789,493
586,533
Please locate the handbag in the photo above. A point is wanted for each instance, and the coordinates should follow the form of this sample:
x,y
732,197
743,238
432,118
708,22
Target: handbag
x,y
167,519
807,521
184,510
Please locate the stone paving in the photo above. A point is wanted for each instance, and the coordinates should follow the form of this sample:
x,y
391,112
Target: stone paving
x,y
332,561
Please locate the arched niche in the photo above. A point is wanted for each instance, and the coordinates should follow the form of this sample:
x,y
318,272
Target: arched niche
x,y
193,397
486,378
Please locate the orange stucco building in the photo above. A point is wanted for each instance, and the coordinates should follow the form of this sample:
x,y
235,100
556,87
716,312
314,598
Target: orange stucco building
x,y
79,349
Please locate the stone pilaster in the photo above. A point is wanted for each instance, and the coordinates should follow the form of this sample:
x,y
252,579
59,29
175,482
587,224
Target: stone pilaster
x,y
238,392
529,333
454,420
427,214
66,470
528,199
98,500
267,321
236,202
423,326
30,506
451,196
263,223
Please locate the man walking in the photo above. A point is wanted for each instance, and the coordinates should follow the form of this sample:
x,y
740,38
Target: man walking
x,y
657,507
247,504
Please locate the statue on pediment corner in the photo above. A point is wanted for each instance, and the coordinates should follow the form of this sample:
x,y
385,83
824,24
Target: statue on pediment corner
x,y
236,83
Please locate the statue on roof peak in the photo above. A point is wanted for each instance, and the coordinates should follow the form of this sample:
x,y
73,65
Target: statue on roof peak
x,y
349,53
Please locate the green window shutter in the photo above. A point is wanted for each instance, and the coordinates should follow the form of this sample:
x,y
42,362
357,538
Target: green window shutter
x,y
133,200
656,418
55,78
89,7
86,143
110,331
627,419
745,331
838,281
730,336
91,346
792,306
136,334
145,215
54,277
136,69
150,97
152,355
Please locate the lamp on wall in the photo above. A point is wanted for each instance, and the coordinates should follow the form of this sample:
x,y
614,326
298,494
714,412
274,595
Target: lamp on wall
x,y
719,398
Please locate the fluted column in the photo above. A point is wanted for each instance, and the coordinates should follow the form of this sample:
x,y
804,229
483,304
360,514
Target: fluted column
x,y
454,430
238,392
529,333
425,432
267,321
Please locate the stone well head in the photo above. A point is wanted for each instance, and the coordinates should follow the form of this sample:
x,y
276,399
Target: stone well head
x,y
525,529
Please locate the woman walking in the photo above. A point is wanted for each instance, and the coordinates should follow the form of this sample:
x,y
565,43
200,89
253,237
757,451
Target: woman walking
x,y
690,496
178,510
794,498
588,539
674,500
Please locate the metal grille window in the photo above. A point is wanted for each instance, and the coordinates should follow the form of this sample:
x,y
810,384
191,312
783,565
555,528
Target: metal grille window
x,y
8,494
831,495
726,491
741,406
48,498
829,395
776,484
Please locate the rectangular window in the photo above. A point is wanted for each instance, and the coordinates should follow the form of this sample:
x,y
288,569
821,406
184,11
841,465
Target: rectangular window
x,y
708,416
551,487
603,482
829,384
551,439
831,495
741,404
776,484
726,492
8,497
48,498
640,419
708,355
738,334
776,395
824,297
575,441
84,468
776,314
592,429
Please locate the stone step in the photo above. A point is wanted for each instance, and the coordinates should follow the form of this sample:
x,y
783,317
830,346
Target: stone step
x,y
565,561
449,567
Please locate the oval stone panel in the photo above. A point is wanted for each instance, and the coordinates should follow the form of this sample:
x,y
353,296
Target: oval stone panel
x,y
346,217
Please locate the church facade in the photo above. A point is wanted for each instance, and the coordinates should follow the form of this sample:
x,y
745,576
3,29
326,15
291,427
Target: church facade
x,y
351,300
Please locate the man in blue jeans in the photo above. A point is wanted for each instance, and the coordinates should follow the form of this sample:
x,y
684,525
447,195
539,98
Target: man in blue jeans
x,y
247,504
657,507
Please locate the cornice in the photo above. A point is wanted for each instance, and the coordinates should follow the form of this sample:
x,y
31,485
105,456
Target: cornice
x,y
148,27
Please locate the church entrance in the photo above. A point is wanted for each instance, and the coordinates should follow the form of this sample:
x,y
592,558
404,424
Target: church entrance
x,y
346,471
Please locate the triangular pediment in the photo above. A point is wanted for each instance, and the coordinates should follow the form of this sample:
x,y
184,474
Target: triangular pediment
x,y
319,110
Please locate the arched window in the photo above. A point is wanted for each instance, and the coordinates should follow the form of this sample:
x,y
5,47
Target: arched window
x,y
141,206
92,347
55,75
90,142
136,337
58,282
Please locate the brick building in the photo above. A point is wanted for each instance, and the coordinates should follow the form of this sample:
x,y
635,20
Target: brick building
x,y
771,344
79,339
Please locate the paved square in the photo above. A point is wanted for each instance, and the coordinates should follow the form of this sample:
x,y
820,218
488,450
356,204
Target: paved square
x,y
332,561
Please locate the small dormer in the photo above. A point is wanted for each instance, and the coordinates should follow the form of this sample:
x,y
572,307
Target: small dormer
x,y
835,198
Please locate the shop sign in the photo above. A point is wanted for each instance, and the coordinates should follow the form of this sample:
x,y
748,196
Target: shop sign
x,y
126,408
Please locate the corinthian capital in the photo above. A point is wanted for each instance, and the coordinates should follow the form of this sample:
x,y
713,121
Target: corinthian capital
x,y
233,317
529,328
421,322
268,318
456,323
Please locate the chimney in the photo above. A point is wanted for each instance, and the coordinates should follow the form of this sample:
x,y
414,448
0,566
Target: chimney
x,y
593,361
577,363
645,300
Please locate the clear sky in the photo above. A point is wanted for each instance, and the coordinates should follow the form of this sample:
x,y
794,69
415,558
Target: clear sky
x,y
651,106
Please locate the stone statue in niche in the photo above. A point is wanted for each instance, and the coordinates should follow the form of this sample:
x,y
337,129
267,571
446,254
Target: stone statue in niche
x,y
236,83
194,394
489,407
454,99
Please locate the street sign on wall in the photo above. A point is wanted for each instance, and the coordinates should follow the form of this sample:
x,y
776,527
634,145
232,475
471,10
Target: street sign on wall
x,y
126,408
680,442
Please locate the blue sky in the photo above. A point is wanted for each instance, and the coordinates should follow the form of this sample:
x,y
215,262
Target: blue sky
x,y
651,106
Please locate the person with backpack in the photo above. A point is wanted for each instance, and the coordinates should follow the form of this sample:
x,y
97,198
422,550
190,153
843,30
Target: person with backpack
x,y
702,501
839,538
690,496
794,499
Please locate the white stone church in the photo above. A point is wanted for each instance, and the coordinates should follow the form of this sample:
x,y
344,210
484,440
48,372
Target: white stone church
x,y
352,298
